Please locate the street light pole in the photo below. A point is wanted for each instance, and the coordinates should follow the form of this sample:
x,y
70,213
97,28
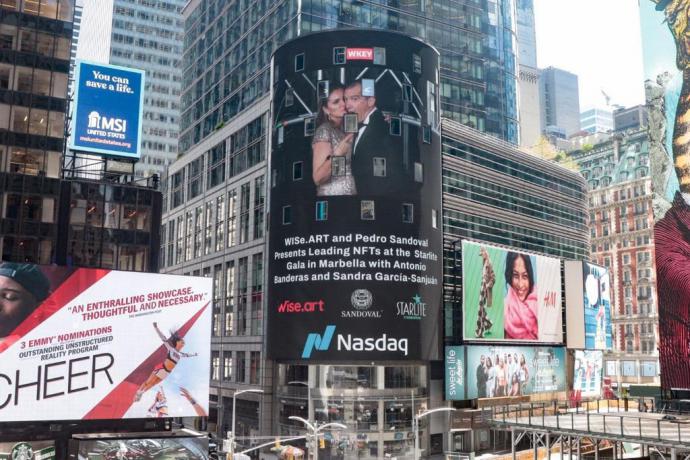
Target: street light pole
x,y
234,401
415,425
315,429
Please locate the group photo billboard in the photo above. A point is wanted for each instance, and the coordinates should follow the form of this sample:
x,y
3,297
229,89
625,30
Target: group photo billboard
x,y
108,107
500,371
355,231
86,344
588,372
597,307
666,59
510,295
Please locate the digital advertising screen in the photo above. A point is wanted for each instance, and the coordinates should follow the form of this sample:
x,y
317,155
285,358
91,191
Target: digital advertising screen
x,y
499,371
107,116
455,373
27,450
188,448
84,344
355,241
588,372
597,304
666,59
510,295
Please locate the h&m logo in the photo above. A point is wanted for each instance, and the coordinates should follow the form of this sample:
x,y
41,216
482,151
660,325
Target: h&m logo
x,y
318,342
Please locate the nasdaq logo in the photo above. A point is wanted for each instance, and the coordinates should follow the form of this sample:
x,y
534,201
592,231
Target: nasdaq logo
x,y
318,342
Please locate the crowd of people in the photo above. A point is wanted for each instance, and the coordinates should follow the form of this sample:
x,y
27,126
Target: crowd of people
x,y
502,375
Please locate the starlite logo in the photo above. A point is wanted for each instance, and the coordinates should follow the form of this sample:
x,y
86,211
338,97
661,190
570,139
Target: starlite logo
x,y
411,310
96,121
360,54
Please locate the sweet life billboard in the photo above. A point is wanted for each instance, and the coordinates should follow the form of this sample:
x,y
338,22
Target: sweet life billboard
x,y
492,371
80,344
109,102
666,63
355,241
510,295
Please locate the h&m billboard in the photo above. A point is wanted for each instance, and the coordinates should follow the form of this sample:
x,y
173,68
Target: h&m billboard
x,y
510,295
493,371
107,117
355,260
79,344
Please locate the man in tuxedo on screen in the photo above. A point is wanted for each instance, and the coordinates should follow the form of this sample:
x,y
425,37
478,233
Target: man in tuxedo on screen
x,y
375,165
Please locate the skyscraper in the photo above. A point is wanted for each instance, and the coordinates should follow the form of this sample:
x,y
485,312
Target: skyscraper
x,y
35,44
560,101
146,36
228,48
530,101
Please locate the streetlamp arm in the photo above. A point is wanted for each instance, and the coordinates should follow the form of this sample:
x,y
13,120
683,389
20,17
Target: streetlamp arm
x,y
249,390
438,409
332,424
306,422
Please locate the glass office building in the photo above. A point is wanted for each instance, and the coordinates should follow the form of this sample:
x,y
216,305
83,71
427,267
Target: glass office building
x,y
228,45
35,41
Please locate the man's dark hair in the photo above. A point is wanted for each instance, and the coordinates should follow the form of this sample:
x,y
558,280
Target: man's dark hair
x,y
510,264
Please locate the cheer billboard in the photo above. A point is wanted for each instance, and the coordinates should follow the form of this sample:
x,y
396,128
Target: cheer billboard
x,y
510,295
109,102
78,344
355,260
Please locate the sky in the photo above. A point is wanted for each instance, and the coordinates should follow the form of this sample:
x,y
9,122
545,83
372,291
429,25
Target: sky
x,y
599,41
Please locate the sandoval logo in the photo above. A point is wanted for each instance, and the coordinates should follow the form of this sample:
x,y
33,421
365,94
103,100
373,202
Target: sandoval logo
x,y
350,343
416,309
361,300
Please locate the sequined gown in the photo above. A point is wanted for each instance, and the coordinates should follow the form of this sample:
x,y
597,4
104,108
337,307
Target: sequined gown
x,y
336,185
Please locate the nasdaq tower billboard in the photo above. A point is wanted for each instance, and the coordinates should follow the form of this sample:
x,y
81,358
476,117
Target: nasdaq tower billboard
x,y
108,110
355,261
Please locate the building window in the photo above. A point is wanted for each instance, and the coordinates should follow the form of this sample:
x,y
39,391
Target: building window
x,y
299,62
287,215
418,172
245,191
297,170
229,297
254,367
215,366
232,217
242,294
367,211
240,367
434,218
379,167
220,222
408,213
227,366
259,200
322,210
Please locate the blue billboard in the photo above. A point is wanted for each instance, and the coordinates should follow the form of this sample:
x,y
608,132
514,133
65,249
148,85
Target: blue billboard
x,y
597,297
108,110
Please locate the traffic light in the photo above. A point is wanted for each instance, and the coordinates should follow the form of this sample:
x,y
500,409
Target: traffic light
x,y
322,443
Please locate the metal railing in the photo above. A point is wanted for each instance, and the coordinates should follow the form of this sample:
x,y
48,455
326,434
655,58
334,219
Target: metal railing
x,y
606,418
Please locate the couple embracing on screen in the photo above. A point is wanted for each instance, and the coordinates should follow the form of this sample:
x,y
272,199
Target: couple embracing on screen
x,y
347,163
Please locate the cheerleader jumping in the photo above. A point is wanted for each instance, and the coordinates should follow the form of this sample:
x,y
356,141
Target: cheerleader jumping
x,y
173,344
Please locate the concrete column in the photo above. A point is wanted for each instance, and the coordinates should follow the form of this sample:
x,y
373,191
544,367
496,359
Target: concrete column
x,y
548,445
512,444
596,449
561,441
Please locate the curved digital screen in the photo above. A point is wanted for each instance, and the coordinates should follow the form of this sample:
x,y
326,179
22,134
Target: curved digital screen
x,y
355,260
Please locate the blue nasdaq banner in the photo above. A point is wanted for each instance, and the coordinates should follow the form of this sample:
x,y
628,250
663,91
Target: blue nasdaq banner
x,y
108,110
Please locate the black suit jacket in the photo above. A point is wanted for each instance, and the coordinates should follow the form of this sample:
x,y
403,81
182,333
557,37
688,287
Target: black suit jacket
x,y
376,142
